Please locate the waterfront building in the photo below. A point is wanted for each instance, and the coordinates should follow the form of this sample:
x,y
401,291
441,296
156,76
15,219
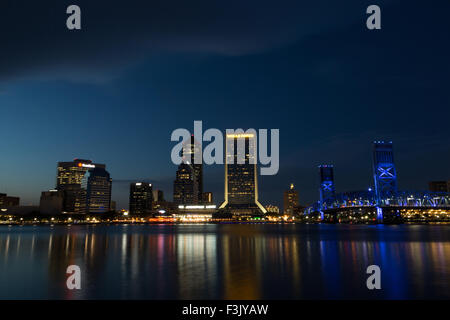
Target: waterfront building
x,y
141,198
185,185
51,202
241,178
98,191
195,213
290,200
70,175
72,172
188,184
190,150
21,210
7,201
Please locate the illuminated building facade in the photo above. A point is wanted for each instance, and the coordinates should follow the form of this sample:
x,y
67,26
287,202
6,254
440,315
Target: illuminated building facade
x,y
189,151
385,175
69,179
98,191
271,209
185,185
141,198
327,190
72,172
290,200
188,184
195,213
241,178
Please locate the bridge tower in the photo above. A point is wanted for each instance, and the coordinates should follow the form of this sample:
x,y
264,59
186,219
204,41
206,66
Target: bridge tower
x,y
327,191
384,173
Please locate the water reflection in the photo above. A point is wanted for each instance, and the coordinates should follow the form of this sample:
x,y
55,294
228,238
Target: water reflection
x,y
224,261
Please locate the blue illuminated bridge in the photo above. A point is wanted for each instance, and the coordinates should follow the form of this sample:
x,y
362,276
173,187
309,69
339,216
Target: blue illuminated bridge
x,y
382,204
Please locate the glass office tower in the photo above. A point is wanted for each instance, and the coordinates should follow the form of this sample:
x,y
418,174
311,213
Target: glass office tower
x,y
141,198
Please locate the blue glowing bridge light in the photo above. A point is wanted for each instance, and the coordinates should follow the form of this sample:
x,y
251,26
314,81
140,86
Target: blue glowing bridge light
x,y
379,214
384,193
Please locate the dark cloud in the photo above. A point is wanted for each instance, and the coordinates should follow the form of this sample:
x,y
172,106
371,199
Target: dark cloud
x,y
116,34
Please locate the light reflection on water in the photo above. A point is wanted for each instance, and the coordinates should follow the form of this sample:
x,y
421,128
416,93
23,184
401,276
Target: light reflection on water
x,y
225,261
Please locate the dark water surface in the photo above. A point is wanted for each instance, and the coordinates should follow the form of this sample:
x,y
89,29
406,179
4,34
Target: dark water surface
x,y
247,261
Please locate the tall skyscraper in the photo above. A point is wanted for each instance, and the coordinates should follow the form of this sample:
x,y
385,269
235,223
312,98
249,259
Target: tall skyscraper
x,y
98,191
188,185
185,185
189,152
141,198
72,172
385,175
241,176
290,200
327,190
69,179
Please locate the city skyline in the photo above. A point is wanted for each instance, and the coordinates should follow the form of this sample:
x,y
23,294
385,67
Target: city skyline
x,y
225,158
326,185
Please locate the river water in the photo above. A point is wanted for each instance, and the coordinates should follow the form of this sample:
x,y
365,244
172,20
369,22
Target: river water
x,y
225,261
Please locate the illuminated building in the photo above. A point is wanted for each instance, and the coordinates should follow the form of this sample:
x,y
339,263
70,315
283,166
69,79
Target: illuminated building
x,y
241,178
290,200
439,186
69,178
51,202
425,214
188,184
185,185
271,209
141,198
384,172
189,152
72,172
6,201
195,213
98,191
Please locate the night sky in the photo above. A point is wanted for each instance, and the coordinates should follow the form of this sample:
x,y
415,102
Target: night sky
x,y
114,91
